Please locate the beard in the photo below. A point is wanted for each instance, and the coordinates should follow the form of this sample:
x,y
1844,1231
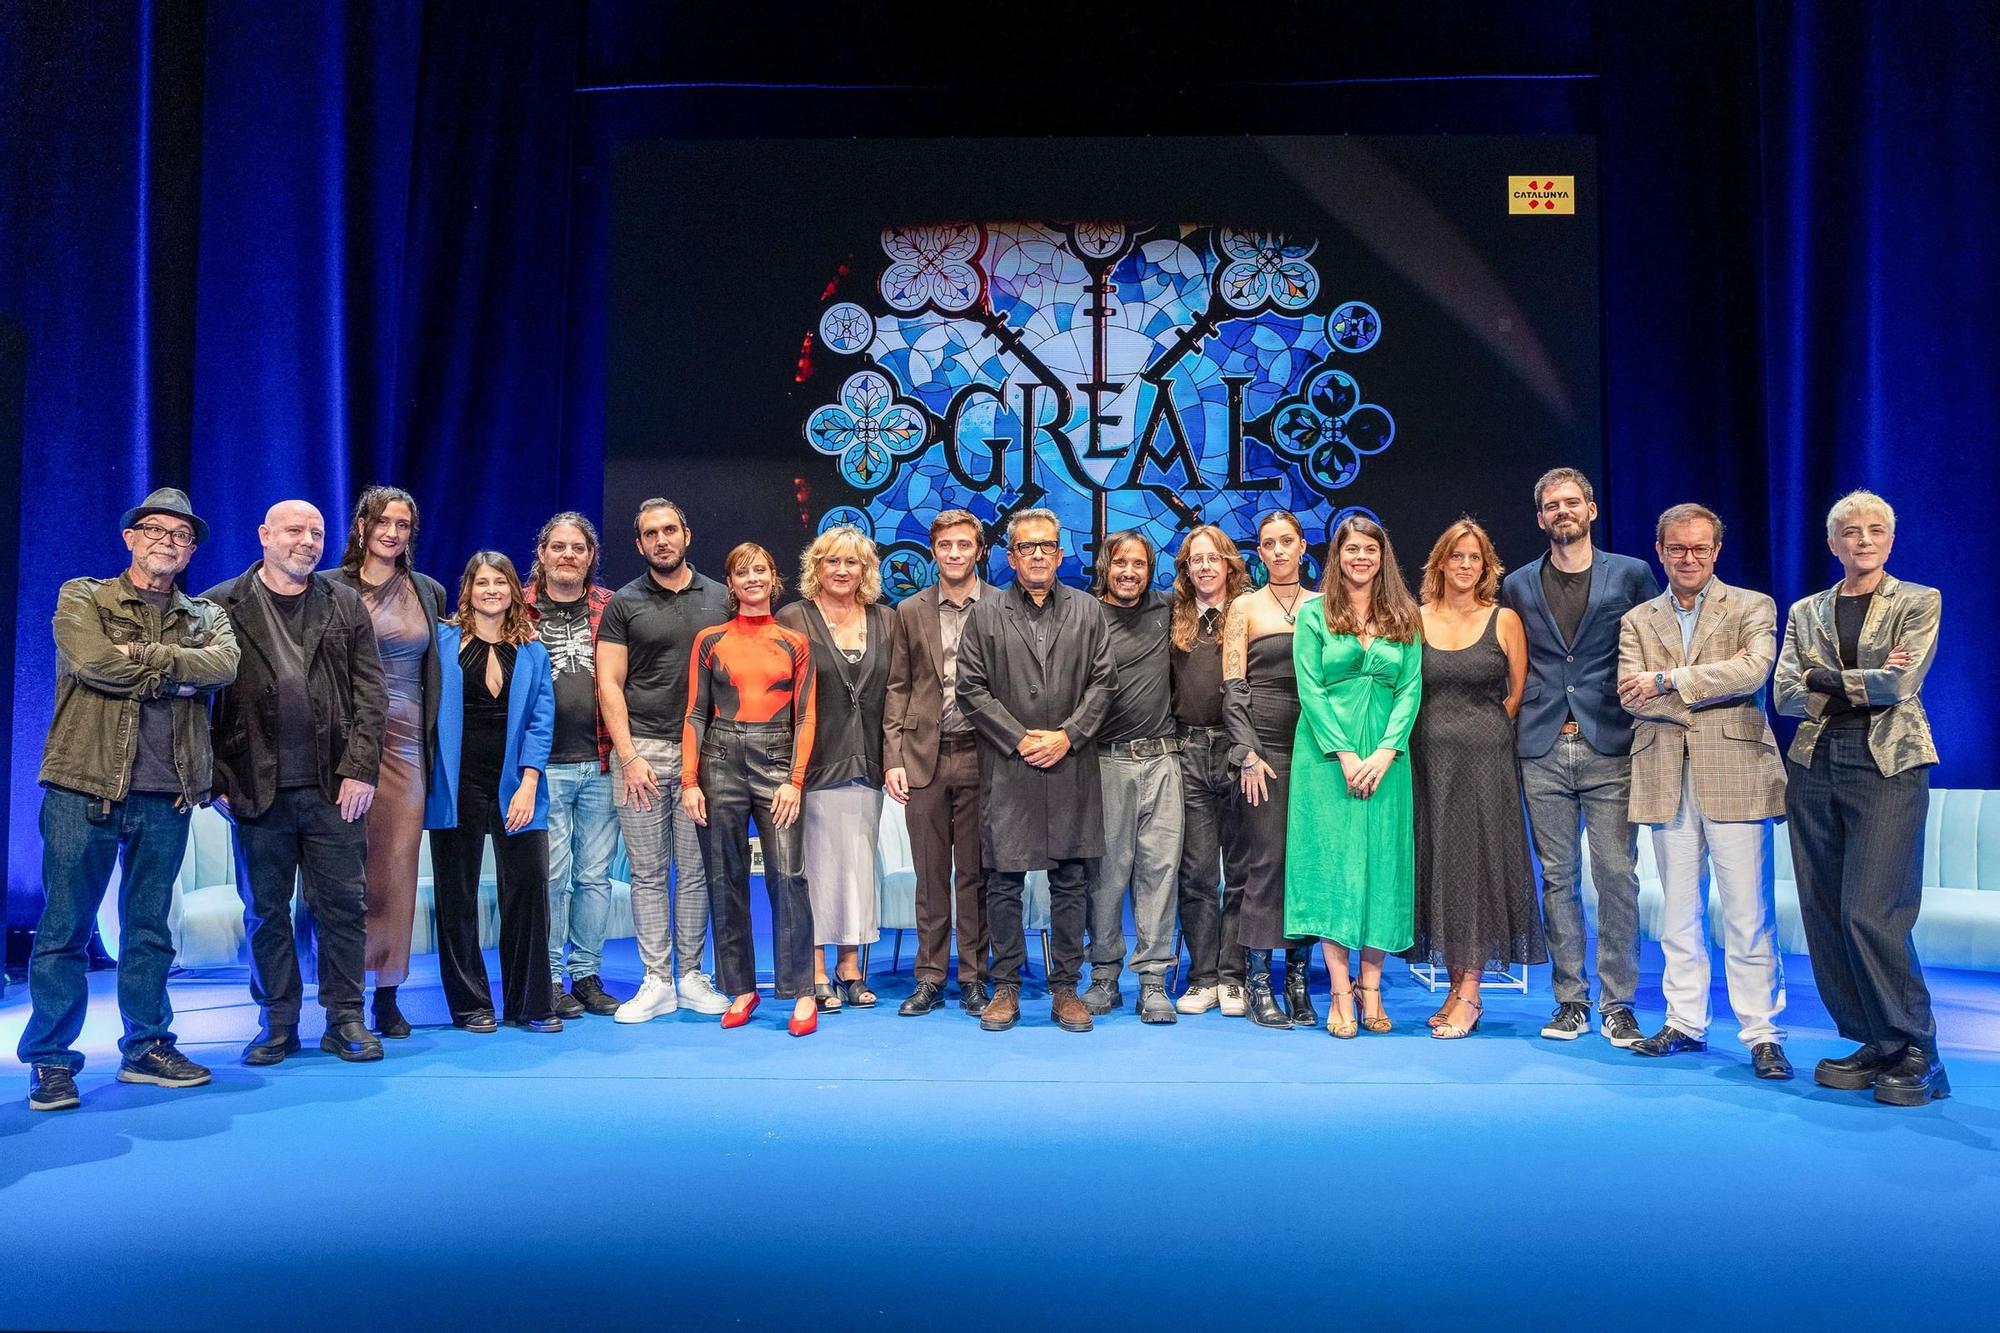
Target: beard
x,y
298,566
666,564
1565,533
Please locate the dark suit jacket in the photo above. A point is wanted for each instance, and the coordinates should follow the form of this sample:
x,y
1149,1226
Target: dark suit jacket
x,y
1578,679
343,676
1010,684
915,703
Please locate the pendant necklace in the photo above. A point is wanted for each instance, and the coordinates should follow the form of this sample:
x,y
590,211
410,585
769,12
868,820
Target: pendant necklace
x,y
1290,613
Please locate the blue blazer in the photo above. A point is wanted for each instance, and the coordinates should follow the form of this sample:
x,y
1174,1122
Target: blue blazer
x,y
1578,679
531,730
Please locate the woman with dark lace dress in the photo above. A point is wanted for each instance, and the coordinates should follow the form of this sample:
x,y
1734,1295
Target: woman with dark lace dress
x,y
1477,907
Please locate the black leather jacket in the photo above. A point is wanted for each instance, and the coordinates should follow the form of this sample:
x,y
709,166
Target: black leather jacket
x,y
343,676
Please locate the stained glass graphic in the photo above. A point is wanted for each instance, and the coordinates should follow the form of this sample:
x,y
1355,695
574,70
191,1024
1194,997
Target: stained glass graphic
x,y
1121,374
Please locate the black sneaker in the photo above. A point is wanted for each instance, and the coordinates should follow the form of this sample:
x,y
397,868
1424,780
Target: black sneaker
x,y
1619,1028
565,1004
1570,1021
590,993
163,1066
52,1088
1103,997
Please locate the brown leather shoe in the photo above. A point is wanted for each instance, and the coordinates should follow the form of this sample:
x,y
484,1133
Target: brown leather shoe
x,y
1003,1010
1068,1011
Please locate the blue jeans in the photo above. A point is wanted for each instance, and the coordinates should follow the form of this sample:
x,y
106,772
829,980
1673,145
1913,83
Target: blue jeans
x,y
583,837
1570,790
82,837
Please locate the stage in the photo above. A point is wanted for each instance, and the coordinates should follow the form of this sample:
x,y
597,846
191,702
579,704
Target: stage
x,y
919,1173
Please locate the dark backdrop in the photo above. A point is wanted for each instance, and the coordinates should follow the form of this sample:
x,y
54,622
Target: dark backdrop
x,y
265,250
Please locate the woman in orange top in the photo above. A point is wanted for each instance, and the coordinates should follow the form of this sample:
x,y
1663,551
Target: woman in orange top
x,y
744,750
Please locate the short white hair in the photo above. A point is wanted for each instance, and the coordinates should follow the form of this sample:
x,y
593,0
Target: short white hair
x,y
1854,504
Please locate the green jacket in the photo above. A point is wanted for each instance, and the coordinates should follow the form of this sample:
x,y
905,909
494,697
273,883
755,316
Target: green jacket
x,y
188,651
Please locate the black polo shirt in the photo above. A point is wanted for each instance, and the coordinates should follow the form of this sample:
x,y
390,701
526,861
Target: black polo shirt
x,y
657,628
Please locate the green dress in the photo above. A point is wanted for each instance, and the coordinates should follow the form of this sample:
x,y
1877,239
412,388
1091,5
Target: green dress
x,y
1350,865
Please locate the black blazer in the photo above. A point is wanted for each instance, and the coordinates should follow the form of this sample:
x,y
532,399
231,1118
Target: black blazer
x,y
431,593
343,676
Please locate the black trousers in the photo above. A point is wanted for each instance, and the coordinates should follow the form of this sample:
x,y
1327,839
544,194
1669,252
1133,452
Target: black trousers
x,y
943,818
1069,905
1858,857
301,840
742,766
521,871
1211,819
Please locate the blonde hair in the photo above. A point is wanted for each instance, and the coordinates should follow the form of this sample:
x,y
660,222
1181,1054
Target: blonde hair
x,y
1854,504
1390,606
848,539
1235,579
1488,591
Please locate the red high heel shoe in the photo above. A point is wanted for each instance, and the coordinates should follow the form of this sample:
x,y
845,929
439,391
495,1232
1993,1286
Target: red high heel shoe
x,y
733,1017
803,1027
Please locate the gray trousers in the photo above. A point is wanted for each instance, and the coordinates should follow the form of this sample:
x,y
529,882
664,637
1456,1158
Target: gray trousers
x,y
1570,789
664,848
1142,851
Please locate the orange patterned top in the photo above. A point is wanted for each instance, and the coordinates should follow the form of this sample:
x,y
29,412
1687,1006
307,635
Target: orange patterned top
x,y
750,669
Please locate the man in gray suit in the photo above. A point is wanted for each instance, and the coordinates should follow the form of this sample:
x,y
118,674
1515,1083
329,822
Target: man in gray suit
x,y
930,764
1035,678
1692,666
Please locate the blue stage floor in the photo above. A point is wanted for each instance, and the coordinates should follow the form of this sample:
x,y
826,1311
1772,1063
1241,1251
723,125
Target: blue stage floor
x,y
895,1173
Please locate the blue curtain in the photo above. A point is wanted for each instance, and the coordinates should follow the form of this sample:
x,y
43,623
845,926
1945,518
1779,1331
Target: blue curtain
x,y
271,250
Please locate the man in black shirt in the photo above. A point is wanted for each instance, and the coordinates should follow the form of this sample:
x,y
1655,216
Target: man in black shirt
x,y
298,740
643,642
583,826
126,762
1139,768
1209,574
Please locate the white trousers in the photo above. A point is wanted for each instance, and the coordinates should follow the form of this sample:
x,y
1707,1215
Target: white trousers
x,y
1687,849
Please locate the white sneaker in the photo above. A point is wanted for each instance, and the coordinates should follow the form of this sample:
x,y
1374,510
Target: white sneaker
x,y
1232,1000
1198,999
656,997
701,994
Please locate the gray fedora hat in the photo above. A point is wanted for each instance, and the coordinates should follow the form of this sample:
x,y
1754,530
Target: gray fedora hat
x,y
166,500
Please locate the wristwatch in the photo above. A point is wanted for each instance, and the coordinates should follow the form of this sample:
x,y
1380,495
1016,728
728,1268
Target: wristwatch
x,y
1660,682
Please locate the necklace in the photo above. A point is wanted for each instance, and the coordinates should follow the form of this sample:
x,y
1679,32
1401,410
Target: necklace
x,y
1288,611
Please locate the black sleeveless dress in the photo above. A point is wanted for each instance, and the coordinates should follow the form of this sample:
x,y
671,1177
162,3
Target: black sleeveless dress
x,y
1264,717
1476,901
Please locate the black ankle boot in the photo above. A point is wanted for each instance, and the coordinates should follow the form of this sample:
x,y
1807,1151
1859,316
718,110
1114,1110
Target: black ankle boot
x,y
1298,999
1259,1006
389,1020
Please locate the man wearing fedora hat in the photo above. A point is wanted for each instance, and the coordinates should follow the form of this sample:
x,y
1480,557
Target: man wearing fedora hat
x,y
126,762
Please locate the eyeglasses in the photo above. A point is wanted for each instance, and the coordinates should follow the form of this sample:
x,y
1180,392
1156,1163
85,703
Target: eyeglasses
x,y
1037,548
1688,552
171,536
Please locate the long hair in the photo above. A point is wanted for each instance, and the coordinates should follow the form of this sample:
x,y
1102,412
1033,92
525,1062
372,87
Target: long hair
x,y
1390,606
742,555
517,625
846,539
1235,580
1101,578
537,576
1488,590
368,510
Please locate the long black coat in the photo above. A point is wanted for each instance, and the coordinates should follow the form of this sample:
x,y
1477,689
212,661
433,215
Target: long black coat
x,y
1009,683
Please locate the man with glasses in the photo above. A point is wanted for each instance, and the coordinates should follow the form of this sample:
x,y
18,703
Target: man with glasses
x,y
1035,678
1575,744
126,762
1692,667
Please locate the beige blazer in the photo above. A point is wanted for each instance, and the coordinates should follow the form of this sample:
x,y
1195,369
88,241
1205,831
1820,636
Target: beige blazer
x,y
1902,613
1714,715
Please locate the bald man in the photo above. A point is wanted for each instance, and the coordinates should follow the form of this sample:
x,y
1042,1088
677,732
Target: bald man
x,y
297,739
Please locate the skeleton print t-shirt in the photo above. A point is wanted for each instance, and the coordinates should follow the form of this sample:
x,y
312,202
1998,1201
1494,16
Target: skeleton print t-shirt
x,y
565,632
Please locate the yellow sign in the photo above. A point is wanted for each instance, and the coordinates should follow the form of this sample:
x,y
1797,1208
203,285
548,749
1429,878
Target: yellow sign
x,y
1541,194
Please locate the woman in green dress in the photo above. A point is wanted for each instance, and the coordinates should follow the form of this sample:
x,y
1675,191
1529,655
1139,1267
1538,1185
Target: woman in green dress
x,y
1350,871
